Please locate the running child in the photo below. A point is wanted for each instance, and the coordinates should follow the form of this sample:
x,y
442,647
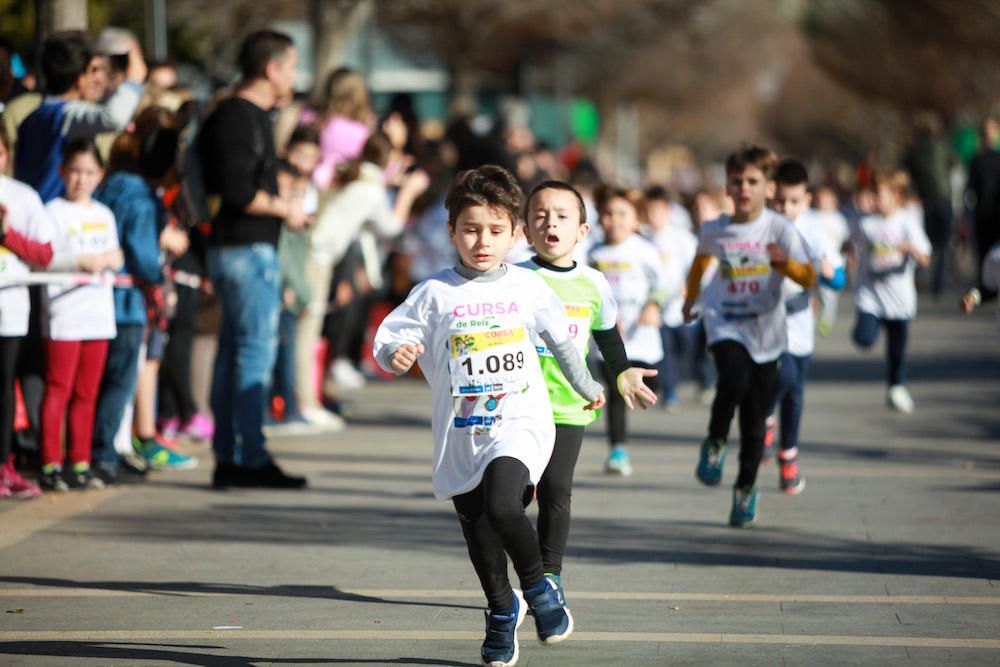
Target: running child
x,y
745,317
792,199
889,245
78,320
555,222
631,265
470,327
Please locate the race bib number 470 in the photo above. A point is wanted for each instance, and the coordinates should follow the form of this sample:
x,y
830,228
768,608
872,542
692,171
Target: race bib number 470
x,y
488,362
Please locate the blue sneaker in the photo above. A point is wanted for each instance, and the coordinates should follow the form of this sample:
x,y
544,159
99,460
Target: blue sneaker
x,y
713,455
556,581
159,457
500,646
618,462
744,512
553,621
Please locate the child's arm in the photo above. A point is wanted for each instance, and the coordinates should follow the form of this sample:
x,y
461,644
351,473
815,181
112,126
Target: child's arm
x,y
804,273
916,244
401,336
693,288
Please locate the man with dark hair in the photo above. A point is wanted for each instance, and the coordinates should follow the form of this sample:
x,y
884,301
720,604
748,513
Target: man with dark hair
x,y
241,166
65,114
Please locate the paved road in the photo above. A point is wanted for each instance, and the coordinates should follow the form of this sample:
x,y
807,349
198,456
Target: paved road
x,y
891,556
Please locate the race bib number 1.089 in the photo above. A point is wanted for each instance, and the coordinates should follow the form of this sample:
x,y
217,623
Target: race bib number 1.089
x,y
488,362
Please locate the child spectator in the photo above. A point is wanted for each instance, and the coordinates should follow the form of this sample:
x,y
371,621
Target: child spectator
x,y
745,317
78,320
25,243
632,267
889,245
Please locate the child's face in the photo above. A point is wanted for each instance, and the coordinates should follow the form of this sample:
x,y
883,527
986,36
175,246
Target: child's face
x,y
791,200
81,174
483,237
619,219
750,190
303,156
657,214
553,227
886,200
4,157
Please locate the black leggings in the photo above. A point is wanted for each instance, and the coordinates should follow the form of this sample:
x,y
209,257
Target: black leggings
x,y
616,403
9,347
176,399
494,525
554,493
749,385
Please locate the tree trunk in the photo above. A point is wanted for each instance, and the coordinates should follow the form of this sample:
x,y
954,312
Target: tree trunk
x,y
63,15
335,23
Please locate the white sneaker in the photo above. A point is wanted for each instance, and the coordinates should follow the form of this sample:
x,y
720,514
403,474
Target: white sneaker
x,y
899,399
346,375
324,419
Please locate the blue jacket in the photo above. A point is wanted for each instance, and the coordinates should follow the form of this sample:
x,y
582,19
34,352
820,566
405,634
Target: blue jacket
x,y
140,217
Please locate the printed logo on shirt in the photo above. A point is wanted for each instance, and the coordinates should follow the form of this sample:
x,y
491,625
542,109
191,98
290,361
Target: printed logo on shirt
x,y
604,266
746,270
465,344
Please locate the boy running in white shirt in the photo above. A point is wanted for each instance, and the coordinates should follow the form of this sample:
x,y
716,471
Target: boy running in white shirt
x,y
470,328
745,317
632,267
792,199
889,246
555,222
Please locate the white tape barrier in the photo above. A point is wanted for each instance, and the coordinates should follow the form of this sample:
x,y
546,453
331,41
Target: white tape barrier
x,y
80,279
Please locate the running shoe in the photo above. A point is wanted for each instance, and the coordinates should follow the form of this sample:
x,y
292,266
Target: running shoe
x,y
324,419
899,399
500,646
618,462
744,513
53,481
710,461
5,492
553,621
770,427
789,479
169,426
159,457
199,427
18,487
346,376
556,581
83,480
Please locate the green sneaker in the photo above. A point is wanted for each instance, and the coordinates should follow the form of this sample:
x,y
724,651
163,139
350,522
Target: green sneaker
x,y
159,457
744,513
710,461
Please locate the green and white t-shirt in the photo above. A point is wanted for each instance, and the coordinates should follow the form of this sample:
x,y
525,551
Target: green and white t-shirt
x,y
586,296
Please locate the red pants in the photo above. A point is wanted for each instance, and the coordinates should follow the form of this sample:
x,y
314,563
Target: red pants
x,y
72,376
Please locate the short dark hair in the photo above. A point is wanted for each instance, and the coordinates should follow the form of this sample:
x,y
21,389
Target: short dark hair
x,y
75,147
791,171
491,186
304,134
261,48
753,156
657,193
557,185
633,196
65,57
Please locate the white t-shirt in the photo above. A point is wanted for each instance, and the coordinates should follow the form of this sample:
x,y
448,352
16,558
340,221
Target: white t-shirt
x,y
636,276
488,396
80,312
885,280
834,226
27,215
744,300
676,247
798,306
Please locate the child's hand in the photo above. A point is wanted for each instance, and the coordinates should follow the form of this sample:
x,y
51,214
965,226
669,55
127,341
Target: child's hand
x,y
826,268
89,263
634,390
905,248
597,403
777,254
970,300
288,297
405,356
688,310
650,315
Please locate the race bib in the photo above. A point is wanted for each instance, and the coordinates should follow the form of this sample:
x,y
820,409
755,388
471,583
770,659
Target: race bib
x,y
580,318
90,237
745,275
488,362
884,256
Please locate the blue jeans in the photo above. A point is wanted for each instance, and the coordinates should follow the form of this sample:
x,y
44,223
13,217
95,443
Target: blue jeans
x,y
247,283
866,330
284,364
792,371
116,393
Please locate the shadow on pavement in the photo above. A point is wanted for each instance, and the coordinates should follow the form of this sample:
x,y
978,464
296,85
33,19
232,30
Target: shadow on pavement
x,y
119,652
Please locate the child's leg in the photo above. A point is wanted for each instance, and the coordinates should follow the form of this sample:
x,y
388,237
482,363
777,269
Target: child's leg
x,y
93,354
494,523
866,329
701,364
668,365
753,415
792,402
9,347
116,393
783,384
62,357
898,333
554,493
733,363
284,364
615,408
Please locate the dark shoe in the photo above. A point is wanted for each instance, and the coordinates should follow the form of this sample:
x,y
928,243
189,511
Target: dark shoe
x,y
83,480
553,621
271,476
107,475
53,481
227,474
